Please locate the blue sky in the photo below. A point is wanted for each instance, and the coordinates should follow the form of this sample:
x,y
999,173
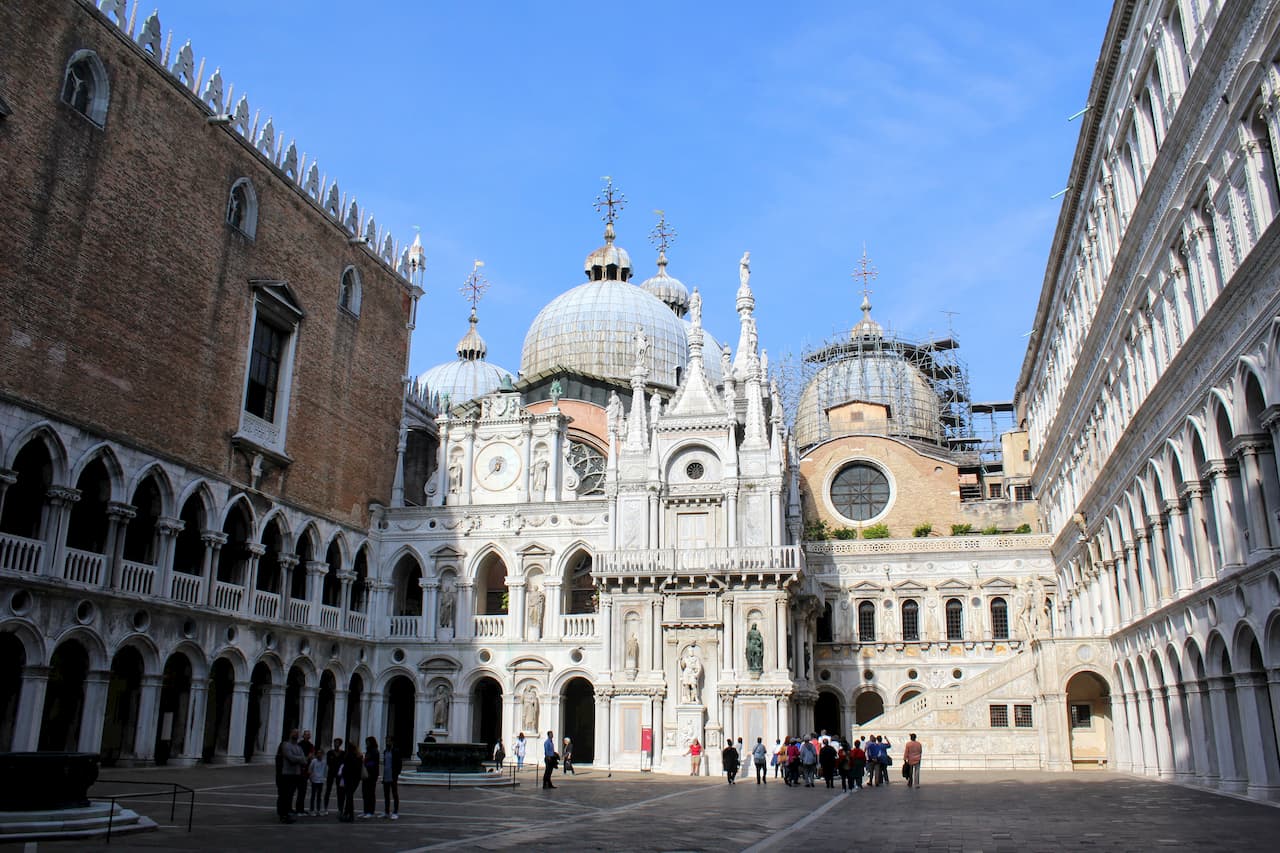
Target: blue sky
x,y
935,136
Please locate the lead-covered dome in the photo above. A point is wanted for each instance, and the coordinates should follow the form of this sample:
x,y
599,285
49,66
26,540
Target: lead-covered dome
x,y
467,377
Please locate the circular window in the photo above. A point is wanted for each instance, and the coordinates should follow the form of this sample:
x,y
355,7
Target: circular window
x,y
269,640
485,656
84,612
912,674
231,634
825,675
398,655
576,655
333,650
141,619
957,674
20,602
304,646
189,628
868,674
860,491
694,471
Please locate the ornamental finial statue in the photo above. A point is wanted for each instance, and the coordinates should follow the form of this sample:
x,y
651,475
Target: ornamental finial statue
x,y
744,271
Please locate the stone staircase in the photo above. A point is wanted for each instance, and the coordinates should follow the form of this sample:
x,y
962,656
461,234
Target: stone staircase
x,y
88,822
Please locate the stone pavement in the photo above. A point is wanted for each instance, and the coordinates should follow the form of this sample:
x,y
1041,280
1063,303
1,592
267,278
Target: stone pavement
x,y
989,811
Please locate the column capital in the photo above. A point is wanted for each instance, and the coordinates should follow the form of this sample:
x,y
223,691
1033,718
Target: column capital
x,y
317,567
515,583
120,511
1219,469
169,526
1174,508
287,561
1270,419
1249,443
428,583
1193,489
347,576
257,549
553,582
59,495
216,538
1250,679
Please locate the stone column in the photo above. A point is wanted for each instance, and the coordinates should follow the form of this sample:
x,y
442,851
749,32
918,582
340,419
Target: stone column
x,y
780,633
515,608
553,589
1137,603
658,726
656,663
1222,475
347,580
316,570
1161,566
1201,737
144,739
1246,448
1119,745
94,712
1182,746
465,617
30,714
1231,777
340,695
728,664
605,628
213,541
1137,744
288,565
7,478
468,464
275,714
53,527
118,516
603,758
1146,569
1257,730
427,625
1203,567
1178,560
239,718
167,530
307,707
1106,581
255,551
1160,723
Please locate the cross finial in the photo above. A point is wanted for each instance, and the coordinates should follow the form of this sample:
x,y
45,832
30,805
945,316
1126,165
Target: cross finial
x,y
475,285
662,236
605,205
867,273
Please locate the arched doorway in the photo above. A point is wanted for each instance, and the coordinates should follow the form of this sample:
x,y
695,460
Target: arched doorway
x,y
293,702
325,700
355,714
124,692
13,658
867,707
826,714
578,721
64,698
175,701
486,711
256,736
1089,715
217,716
401,698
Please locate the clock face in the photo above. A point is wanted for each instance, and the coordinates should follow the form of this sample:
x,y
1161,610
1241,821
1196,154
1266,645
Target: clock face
x,y
497,466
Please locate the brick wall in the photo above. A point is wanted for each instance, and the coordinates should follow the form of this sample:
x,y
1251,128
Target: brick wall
x,y
126,298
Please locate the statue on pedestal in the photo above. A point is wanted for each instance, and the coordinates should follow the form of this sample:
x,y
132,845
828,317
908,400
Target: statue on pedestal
x,y
530,717
632,654
440,715
448,603
755,650
690,676
536,603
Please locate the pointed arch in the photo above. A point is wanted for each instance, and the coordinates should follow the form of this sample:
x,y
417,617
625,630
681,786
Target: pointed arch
x,y
285,529
110,461
44,433
241,500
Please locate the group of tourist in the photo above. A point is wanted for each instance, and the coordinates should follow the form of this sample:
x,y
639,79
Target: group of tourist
x,y
800,761
301,764
564,757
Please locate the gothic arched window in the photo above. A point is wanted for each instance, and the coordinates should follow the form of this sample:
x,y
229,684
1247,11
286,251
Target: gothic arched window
x,y
242,207
85,88
349,291
588,464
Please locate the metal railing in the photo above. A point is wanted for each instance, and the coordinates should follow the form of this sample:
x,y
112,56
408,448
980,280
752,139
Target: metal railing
x,y
174,790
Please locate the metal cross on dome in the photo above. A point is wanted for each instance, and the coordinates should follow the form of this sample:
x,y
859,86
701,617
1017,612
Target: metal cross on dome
x,y
475,285
662,235
608,200
866,272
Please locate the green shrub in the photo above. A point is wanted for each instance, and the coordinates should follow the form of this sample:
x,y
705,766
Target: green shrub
x,y
961,529
845,533
990,530
922,531
876,531
1022,528
816,531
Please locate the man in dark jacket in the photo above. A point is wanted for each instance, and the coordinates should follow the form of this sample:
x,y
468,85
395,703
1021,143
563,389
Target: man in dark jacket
x,y
300,789
349,783
333,760
827,759
729,760
291,766
392,764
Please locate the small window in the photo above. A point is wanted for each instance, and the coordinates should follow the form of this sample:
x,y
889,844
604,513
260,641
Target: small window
x,y
910,621
825,625
999,716
999,619
264,370
349,291
866,622
1026,454
1082,716
242,208
955,620
85,88
995,491
1022,716
1022,493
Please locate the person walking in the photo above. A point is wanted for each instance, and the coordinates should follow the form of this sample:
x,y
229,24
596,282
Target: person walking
x,y
808,762
729,760
317,770
333,763
566,758
549,758
793,763
349,774
886,760
695,757
779,759
742,756
873,761
857,763
392,764
827,758
520,746
911,754
369,776
760,754
499,755
842,767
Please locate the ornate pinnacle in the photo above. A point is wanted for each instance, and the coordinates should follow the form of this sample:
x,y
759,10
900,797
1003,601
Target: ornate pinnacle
x,y
662,236
609,204
868,274
475,286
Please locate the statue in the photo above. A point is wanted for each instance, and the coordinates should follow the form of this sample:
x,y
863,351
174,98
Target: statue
x,y
1036,601
455,477
614,412
655,410
755,650
890,626
726,362
690,675
744,271
535,607
448,603
556,393
632,655
540,466
530,718
441,708
642,348
930,623
695,308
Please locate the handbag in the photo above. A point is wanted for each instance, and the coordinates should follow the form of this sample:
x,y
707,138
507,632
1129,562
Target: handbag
x,y
906,771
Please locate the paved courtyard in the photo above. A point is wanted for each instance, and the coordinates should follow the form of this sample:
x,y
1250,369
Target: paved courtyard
x,y
991,811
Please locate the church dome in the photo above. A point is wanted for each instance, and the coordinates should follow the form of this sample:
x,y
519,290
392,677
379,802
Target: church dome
x,y
467,377
592,329
882,378
668,288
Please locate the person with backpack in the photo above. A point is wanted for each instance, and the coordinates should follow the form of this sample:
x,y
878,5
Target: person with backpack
x,y
842,767
886,760
873,761
808,763
760,752
857,764
729,760
793,763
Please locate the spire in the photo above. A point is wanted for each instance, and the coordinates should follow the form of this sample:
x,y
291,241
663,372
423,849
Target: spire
x,y
608,262
746,304
662,236
696,395
670,290
637,427
472,346
867,328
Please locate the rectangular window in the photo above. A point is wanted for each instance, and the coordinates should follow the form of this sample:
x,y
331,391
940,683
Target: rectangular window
x,y
910,622
995,491
264,371
1022,716
866,622
1022,493
955,621
999,716
1082,716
